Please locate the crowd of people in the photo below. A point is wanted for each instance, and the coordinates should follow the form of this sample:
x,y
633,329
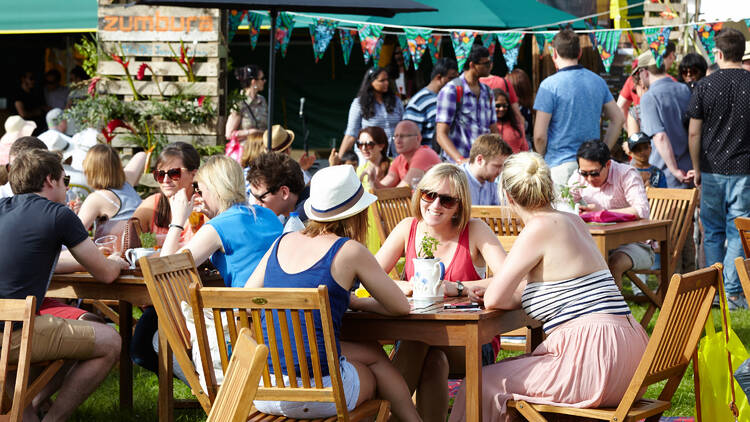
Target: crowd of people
x,y
465,139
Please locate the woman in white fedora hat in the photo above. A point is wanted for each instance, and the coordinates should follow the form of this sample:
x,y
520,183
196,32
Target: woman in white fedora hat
x,y
330,252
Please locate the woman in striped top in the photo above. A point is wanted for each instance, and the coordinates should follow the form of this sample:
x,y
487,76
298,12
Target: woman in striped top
x,y
557,275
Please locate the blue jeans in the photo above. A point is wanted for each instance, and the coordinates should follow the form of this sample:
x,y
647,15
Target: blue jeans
x,y
724,198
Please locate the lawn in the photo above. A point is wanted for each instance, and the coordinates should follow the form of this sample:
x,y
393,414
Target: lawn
x,y
104,404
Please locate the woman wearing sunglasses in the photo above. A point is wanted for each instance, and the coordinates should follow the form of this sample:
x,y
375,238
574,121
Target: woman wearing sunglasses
x,y
557,275
441,206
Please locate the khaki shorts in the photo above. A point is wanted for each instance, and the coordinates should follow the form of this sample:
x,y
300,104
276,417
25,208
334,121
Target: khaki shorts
x,y
56,338
640,253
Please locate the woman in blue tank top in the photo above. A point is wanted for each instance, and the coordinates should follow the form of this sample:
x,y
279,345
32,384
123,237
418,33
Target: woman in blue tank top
x,y
330,251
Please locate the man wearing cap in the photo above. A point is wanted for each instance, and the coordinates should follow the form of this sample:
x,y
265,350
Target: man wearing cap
x,y
55,137
663,109
718,137
413,161
15,127
568,108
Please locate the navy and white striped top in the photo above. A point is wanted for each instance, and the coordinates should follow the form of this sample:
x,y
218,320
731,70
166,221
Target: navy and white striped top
x,y
557,302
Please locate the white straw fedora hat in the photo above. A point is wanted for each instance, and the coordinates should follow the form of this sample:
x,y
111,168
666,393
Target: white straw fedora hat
x,y
335,194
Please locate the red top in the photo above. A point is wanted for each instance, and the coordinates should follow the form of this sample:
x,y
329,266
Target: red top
x,y
461,267
424,158
627,91
494,81
517,142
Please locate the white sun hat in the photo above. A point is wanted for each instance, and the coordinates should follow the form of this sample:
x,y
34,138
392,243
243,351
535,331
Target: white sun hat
x,y
335,194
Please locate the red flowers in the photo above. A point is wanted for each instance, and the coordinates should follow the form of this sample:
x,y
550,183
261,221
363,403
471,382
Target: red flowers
x,y
92,85
108,131
200,100
118,59
142,71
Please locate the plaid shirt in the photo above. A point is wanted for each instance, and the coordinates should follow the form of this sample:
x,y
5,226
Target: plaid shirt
x,y
476,116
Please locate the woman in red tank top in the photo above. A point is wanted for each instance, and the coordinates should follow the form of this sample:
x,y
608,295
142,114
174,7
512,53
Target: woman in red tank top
x,y
441,206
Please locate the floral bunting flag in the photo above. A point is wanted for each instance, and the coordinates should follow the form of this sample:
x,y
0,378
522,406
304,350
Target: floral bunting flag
x,y
488,41
321,32
706,33
284,27
541,39
509,45
347,42
657,39
369,39
253,22
235,18
417,40
462,42
404,50
606,42
434,44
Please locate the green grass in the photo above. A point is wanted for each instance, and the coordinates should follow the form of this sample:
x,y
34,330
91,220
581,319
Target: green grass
x,y
103,405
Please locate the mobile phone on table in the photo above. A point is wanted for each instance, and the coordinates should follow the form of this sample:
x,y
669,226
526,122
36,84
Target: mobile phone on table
x,y
461,305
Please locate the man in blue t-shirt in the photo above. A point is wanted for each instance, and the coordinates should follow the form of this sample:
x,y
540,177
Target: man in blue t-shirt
x,y
568,108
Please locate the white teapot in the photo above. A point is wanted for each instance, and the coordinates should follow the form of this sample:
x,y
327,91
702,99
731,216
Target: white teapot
x,y
427,281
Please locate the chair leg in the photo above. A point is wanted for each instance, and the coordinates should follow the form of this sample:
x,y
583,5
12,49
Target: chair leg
x,y
384,411
42,380
528,412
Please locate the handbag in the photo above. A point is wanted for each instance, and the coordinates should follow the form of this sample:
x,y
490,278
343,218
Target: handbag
x,y
721,398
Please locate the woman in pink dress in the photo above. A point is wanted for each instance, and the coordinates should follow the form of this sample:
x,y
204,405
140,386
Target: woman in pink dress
x,y
557,275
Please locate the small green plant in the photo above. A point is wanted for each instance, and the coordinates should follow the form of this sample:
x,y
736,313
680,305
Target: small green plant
x,y
566,193
148,240
427,247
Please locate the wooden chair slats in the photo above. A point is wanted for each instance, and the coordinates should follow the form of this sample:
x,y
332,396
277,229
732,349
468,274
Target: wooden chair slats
x,y
235,398
501,219
673,342
15,311
391,207
743,272
743,226
285,332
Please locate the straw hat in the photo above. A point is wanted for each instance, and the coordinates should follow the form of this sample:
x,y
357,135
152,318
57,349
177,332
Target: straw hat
x,y
16,127
281,138
335,194
645,60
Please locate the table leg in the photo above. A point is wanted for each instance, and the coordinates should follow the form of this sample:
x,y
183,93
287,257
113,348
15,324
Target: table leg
x,y
473,382
126,365
166,393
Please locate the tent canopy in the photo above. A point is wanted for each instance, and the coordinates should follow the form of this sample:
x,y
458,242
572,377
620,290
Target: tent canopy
x,y
40,16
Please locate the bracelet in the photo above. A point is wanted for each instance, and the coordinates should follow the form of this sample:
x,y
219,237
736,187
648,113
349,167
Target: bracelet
x,y
177,225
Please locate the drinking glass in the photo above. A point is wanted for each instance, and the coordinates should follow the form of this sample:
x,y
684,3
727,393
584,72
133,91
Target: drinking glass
x,y
107,244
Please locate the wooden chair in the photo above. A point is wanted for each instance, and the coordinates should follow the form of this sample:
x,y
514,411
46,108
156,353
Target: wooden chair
x,y
168,279
391,207
686,307
743,271
743,226
677,205
23,311
502,220
299,303
234,400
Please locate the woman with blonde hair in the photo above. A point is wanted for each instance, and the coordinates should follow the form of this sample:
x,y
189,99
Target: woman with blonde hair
x,y
441,208
557,275
253,147
225,238
114,198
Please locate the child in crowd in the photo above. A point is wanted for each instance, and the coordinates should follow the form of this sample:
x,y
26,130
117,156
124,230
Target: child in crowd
x,y
639,145
350,158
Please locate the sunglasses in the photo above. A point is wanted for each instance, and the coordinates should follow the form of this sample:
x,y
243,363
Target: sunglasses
x,y
593,173
196,189
66,180
366,145
446,201
501,106
262,197
174,174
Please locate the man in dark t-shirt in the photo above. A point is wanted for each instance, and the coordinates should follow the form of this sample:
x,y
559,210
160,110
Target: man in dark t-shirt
x,y
719,132
36,223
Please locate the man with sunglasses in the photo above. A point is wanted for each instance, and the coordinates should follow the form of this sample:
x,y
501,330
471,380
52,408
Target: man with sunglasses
x,y
608,185
276,183
36,223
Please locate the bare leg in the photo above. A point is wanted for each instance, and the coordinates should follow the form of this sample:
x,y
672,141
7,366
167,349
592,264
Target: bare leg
x,y
619,263
86,375
42,400
409,360
390,385
432,393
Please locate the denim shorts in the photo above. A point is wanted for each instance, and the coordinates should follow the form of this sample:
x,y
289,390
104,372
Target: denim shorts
x,y
313,410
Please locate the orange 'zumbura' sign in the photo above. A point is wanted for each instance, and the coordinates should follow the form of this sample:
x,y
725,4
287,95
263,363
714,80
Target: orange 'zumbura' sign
x,y
157,23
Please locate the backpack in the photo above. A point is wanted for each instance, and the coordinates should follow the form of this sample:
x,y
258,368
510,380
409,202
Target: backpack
x,y
459,97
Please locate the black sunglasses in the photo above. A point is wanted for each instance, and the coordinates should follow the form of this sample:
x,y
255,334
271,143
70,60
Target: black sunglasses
x,y
173,174
501,105
364,145
446,201
593,173
66,180
262,197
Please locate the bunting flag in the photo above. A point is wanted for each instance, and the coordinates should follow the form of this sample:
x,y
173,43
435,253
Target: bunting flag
x,y
369,39
347,42
606,42
404,50
253,23
488,41
592,35
321,32
284,27
462,42
657,39
747,22
541,39
235,18
706,33
434,44
417,40
509,45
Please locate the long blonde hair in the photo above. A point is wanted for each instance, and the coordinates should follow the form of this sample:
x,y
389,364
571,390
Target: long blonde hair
x,y
253,147
526,178
459,188
223,176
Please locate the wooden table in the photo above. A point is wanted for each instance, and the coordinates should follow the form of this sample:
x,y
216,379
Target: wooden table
x,y
439,327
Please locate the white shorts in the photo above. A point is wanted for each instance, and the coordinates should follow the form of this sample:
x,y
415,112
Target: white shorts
x,y
313,410
640,253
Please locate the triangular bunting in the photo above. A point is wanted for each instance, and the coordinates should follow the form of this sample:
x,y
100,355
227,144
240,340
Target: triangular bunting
x,y
462,42
284,27
369,39
253,23
404,44
321,32
235,18
510,43
488,41
347,42
543,38
417,39
607,42
706,33
657,39
434,44
592,35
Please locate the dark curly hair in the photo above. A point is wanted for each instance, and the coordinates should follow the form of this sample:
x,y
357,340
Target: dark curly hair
x,y
366,94
693,61
275,170
246,74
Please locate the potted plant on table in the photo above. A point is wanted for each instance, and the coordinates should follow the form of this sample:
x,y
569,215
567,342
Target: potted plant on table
x,y
428,272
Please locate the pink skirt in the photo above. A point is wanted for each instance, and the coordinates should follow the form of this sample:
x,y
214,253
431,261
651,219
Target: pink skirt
x,y
586,362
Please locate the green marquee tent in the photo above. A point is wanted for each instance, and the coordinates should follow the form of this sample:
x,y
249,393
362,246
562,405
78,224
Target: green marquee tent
x,y
48,16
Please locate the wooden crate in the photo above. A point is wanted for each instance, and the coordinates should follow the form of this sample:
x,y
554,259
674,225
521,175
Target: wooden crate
x,y
652,16
152,35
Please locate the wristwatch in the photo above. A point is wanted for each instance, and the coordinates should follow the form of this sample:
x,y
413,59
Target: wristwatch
x,y
460,288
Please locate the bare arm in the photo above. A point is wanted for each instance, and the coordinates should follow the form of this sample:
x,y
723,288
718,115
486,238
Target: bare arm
x,y
91,209
491,250
616,120
519,118
394,245
134,169
346,145
387,298
664,147
390,180
442,132
144,213
631,126
410,175
541,125
105,270
694,143
623,104
233,123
